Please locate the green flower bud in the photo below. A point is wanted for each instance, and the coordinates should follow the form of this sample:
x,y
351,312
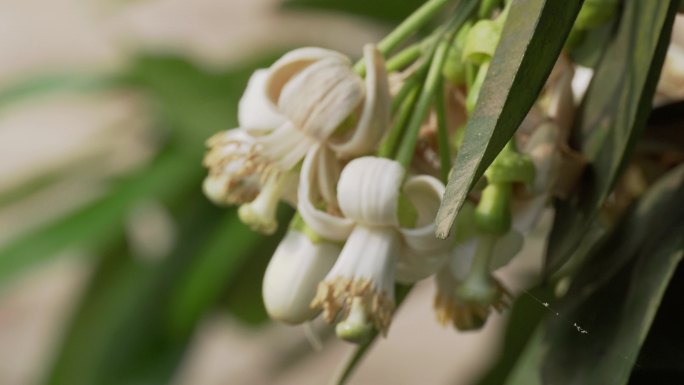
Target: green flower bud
x,y
481,41
493,213
511,168
595,13
454,69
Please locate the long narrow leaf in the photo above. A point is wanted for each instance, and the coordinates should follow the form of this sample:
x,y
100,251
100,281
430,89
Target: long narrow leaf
x,y
532,38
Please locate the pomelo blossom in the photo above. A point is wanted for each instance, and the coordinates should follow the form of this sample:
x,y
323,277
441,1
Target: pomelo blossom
x,y
386,222
474,259
308,98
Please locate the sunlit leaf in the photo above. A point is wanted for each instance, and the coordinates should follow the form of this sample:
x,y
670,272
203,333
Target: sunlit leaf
x,y
532,38
613,116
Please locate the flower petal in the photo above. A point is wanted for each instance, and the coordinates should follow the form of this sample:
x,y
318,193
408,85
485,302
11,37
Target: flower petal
x,y
292,63
328,173
369,254
506,247
326,225
293,274
256,112
424,254
368,190
375,116
286,146
321,97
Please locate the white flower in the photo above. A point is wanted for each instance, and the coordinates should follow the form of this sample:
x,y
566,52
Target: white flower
x,y
299,263
234,168
324,101
359,289
466,287
309,98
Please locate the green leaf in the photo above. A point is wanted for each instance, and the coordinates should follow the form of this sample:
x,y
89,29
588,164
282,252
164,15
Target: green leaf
x,y
384,10
616,293
613,117
234,264
532,38
100,222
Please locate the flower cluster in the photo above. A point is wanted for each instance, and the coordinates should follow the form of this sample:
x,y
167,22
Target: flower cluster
x,y
322,135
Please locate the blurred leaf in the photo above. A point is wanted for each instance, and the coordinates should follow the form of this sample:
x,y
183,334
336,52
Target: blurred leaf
x,y
34,86
348,368
384,10
123,332
234,260
194,104
592,48
613,117
532,38
118,331
100,222
616,293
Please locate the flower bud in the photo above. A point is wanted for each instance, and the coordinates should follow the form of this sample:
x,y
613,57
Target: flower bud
x,y
293,274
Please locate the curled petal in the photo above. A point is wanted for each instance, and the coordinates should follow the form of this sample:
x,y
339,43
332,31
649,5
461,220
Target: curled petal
x,y
292,63
368,190
424,254
375,115
327,175
256,112
321,97
286,146
293,274
329,226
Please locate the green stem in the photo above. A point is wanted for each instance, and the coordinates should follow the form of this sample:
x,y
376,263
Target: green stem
x,y
434,76
442,135
422,107
412,23
389,146
404,58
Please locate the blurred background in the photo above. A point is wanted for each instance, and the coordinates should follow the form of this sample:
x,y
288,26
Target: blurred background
x,y
114,269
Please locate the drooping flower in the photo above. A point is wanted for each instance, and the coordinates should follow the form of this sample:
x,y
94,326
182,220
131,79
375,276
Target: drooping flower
x,y
308,98
467,289
359,289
